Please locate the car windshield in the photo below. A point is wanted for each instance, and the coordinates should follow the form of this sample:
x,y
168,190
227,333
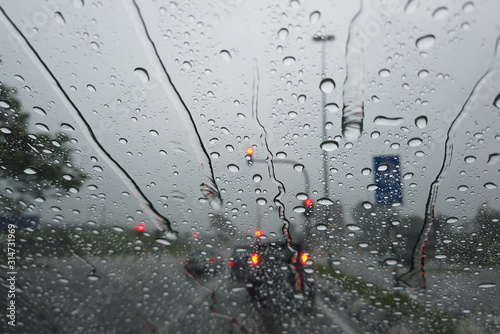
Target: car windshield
x,y
152,151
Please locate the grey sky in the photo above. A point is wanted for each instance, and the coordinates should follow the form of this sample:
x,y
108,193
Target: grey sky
x,y
98,45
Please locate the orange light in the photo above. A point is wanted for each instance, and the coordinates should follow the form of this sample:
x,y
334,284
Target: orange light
x,y
140,227
303,258
255,259
258,233
308,202
249,151
231,264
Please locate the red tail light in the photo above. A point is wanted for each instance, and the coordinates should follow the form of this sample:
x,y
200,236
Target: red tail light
x,y
212,259
303,258
231,264
255,259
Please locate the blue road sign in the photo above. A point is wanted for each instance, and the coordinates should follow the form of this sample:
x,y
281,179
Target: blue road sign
x,y
388,179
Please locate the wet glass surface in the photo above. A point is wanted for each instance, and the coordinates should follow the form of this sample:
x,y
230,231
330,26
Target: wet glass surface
x,y
249,167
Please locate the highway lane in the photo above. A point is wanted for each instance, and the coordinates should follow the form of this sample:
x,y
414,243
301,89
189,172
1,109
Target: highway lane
x,y
153,294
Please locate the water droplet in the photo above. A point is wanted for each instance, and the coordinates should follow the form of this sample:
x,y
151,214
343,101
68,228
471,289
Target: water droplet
x,y
19,78
123,141
63,280
367,205
60,18
42,127
382,120
423,74
382,167
408,176
94,45
425,42
287,61
67,127
325,201
372,187
496,102
153,133
39,111
352,227
421,122
4,104
257,178
118,229
215,155
452,220
93,278
440,13
298,167
163,152
98,169
299,209
142,74
301,98
283,33
292,114
468,7
230,148
463,188
281,155
5,130
314,17
384,73
327,85
366,171
487,285
321,227
301,196
233,168
226,55
493,158
332,107
163,242
414,142
490,185
74,190
391,262
30,171
261,201
411,7
363,244
375,134
470,159
329,145
375,98
187,65
91,88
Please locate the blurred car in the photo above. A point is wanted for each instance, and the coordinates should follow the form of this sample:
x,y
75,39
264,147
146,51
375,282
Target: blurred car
x,y
202,263
273,272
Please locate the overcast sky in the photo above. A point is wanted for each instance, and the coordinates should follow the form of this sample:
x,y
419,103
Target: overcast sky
x,y
103,59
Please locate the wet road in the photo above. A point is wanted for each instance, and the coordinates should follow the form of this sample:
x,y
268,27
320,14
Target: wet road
x,y
153,294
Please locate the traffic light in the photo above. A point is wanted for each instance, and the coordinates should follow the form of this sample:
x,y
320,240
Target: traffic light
x,y
258,233
140,229
249,155
309,204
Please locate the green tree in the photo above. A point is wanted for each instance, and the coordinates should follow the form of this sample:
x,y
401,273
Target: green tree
x,y
31,164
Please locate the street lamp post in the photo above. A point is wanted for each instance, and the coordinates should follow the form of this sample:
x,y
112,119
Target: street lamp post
x,y
323,39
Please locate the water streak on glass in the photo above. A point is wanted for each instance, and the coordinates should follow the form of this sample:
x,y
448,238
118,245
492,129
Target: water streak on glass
x,y
415,277
163,222
353,110
209,187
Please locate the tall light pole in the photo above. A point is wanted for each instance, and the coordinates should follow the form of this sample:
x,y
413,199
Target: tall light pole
x,y
323,39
